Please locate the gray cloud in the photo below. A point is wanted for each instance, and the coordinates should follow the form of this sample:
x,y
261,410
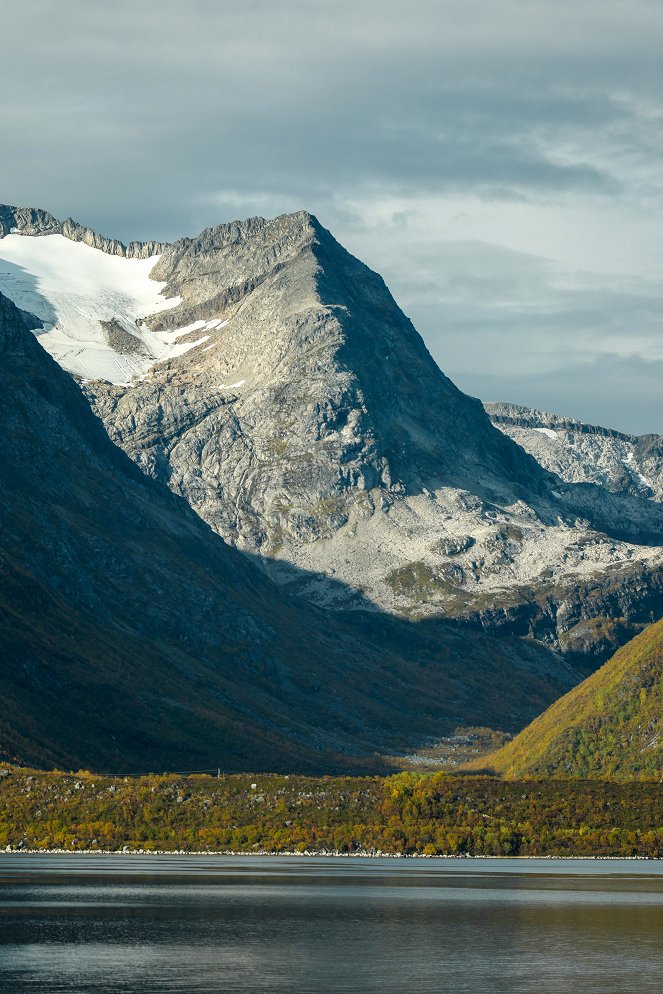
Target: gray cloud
x,y
627,389
159,118
299,99
520,328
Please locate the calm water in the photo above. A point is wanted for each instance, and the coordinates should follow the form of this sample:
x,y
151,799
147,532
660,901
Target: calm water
x,y
157,925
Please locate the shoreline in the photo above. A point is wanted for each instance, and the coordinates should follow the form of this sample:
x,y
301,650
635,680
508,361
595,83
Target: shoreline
x,y
409,817
290,854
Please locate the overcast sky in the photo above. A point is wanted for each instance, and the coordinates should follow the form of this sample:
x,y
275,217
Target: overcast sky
x,y
498,161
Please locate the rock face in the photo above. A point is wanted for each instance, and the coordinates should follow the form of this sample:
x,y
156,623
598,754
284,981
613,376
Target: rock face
x,y
133,638
301,413
33,221
580,453
305,422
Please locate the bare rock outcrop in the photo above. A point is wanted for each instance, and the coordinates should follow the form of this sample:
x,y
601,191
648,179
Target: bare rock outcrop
x,y
34,221
583,453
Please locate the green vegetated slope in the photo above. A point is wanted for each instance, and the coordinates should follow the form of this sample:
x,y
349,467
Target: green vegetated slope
x,y
409,814
611,725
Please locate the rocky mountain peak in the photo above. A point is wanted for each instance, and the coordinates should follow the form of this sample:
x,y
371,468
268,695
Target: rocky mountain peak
x,y
307,421
222,265
322,399
322,334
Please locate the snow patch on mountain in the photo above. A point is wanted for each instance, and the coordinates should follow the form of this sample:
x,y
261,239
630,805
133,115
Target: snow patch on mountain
x,y
92,305
629,462
183,347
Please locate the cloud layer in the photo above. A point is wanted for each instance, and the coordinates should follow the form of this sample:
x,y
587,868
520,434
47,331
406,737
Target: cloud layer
x,y
499,162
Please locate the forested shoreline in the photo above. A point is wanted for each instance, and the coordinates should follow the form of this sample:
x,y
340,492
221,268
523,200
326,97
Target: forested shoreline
x,y
407,814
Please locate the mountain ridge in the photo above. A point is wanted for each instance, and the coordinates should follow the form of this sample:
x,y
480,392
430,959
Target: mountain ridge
x,y
302,417
582,453
34,221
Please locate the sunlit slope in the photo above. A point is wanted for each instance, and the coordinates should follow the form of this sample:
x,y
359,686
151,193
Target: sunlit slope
x,y
609,726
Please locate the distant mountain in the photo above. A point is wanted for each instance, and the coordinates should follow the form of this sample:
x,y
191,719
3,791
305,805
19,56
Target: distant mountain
x,y
133,638
280,390
611,725
581,453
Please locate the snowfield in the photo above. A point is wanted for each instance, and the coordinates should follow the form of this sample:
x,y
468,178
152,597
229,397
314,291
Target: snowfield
x,y
548,432
72,288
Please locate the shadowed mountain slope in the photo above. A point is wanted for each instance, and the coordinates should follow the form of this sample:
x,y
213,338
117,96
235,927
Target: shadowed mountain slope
x,y
133,637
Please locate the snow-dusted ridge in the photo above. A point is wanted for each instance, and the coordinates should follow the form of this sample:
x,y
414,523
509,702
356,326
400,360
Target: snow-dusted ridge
x,y
583,453
92,305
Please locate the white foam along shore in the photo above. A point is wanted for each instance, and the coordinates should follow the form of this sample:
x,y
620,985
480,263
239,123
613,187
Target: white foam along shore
x,y
320,853
72,288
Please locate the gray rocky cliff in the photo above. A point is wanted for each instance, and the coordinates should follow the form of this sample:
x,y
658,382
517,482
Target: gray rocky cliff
x,y
581,453
314,405
34,221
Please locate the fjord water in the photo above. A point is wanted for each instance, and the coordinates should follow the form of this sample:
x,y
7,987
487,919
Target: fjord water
x,y
128,924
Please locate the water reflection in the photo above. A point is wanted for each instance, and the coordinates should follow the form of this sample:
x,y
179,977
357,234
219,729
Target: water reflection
x,y
124,925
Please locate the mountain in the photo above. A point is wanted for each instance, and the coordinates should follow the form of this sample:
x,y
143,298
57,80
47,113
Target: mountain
x,y
298,412
610,726
581,453
133,638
